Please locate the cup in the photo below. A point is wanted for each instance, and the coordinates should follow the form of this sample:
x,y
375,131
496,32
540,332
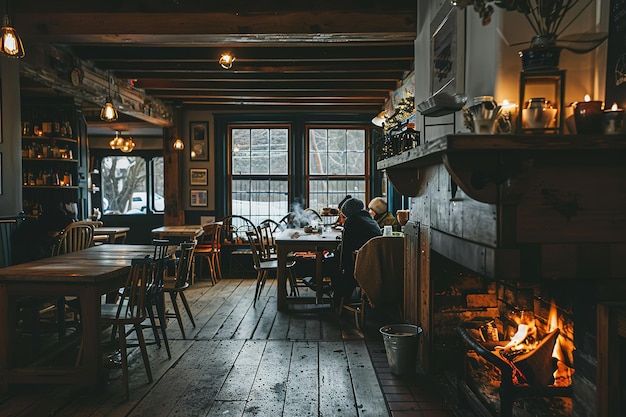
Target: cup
x,y
387,231
403,216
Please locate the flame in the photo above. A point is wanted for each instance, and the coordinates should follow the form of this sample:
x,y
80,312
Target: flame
x,y
614,107
553,321
587,97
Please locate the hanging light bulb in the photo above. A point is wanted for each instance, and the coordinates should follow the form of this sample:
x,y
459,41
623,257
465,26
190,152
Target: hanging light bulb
x,y
117,142
11,43
178,144
128,145
108,112
226,60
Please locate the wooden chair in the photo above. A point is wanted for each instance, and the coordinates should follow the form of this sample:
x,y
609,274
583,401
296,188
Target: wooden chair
x,y
379,272
264,267
266,241
209,248
76,236
130,310
155,301
234,229
176,285
7,227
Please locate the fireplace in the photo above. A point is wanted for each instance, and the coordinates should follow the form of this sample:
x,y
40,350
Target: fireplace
x,y
503,224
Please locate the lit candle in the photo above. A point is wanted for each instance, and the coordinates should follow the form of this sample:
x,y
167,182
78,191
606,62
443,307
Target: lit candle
x,y
588,116
613,120
506,121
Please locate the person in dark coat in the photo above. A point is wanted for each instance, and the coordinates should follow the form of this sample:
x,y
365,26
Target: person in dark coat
x,y
34,238
359,227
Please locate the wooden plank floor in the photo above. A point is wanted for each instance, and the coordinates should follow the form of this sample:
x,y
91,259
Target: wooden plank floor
x,y
239,360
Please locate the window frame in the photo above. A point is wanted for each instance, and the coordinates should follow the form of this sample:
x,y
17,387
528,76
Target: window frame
x,y
366,155
229,162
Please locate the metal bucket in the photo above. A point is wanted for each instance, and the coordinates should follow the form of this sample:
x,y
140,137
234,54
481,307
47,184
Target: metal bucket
x,y
401,347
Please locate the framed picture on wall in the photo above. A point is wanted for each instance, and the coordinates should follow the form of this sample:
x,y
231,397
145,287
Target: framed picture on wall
x,y
198,198
198,176
199,132
447,55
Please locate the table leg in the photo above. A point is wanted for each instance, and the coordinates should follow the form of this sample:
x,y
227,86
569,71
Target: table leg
x,y
91,351
319,275
281,278
5,341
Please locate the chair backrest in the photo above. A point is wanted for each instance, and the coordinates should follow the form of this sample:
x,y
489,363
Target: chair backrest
x,y
254,247
76,236
132,302
7,227
379,270
211,235
183,269
235,227
161,259
266,241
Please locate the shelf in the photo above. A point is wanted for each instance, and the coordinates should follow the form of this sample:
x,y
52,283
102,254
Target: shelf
x,y
51,187
50,160
50,138
480,163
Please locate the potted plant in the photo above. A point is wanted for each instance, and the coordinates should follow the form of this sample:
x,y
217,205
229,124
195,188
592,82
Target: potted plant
x,y
548,19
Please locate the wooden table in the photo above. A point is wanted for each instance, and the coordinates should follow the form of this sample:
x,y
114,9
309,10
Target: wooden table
x,y
113,234
87,274
296,240
184,231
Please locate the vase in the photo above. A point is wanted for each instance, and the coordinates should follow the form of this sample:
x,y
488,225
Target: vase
x,y
542,54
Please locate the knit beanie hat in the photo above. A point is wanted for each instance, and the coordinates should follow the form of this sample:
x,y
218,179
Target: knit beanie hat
x,y
378,205
351,206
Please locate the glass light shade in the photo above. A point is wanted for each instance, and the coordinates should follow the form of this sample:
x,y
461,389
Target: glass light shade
x,y
11,43
380,119
117,142
226,61
128,146
179,145
108,112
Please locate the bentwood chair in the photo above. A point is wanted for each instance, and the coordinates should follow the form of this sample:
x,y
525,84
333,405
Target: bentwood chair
x,y
209,248
76,236
130,310
264,267
176,285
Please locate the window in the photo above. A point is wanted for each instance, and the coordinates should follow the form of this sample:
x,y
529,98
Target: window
x,y
132,185
337,166
259,170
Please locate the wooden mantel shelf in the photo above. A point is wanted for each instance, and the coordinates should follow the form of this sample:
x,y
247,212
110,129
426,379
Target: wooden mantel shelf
x,y
479,163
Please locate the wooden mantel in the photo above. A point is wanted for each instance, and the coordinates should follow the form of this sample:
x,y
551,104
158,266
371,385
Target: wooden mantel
x,y
479,163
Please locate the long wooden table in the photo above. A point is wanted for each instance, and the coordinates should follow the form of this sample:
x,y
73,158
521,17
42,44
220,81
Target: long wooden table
x,y
112,233
184,231
296,240
87,274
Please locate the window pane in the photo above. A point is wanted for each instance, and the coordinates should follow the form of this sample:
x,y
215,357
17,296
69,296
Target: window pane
x,y
259,199
124,185
158,185
336,153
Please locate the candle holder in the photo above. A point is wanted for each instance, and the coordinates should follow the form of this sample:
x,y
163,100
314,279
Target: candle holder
x,y
588,116
613,121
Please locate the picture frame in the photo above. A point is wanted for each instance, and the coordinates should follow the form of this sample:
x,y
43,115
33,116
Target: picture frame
x,y
447,54
198,176
199,139
198,198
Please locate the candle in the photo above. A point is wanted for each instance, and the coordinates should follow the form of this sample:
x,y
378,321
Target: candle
x,y
588,116
613,120
507,119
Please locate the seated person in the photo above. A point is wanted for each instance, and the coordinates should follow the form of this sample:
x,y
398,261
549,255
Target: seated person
x,y
359,227
34,238
378,210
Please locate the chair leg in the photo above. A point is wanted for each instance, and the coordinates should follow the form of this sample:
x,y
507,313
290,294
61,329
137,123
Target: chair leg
x,y
144,351
124,357
257,290
155,330
162,321
178,316
186,305
292,283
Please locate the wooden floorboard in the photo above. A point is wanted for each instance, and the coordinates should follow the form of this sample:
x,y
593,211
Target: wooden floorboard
x,y
239,360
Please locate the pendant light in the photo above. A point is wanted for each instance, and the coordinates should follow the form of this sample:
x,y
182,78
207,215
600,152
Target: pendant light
x,y
11,43
178,144
117,142
226,60
108,112
128,145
